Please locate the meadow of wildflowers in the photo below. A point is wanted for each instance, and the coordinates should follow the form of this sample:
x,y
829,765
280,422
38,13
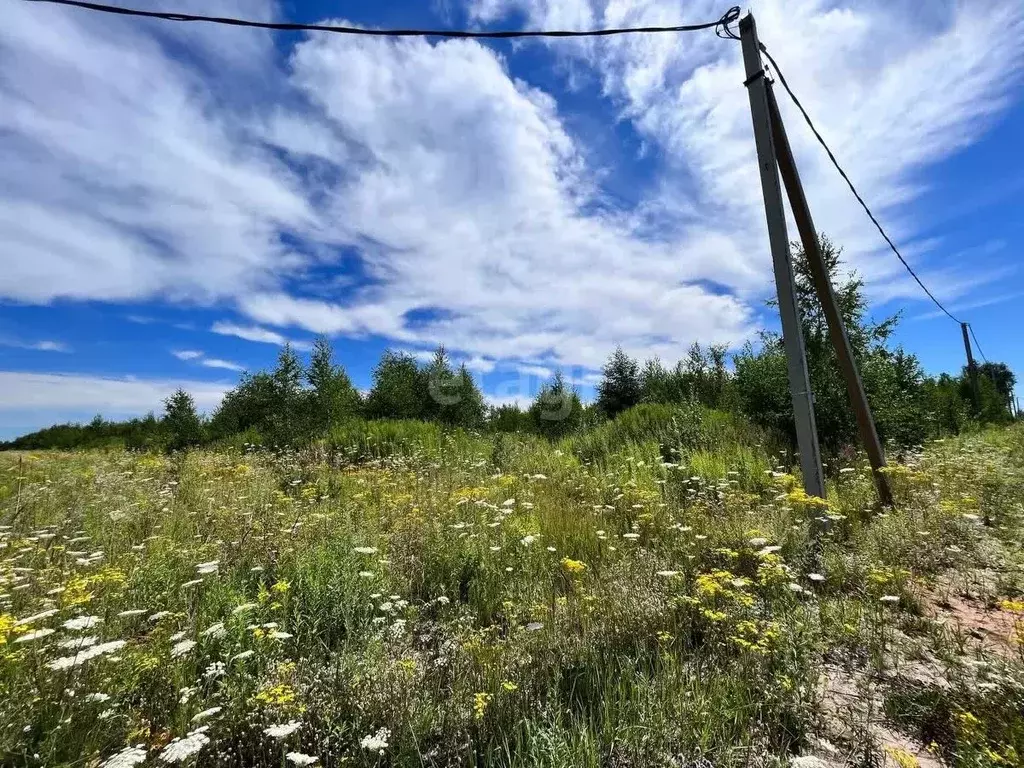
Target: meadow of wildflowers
x,y
510,604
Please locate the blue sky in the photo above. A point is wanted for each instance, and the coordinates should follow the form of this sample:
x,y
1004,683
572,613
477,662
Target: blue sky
x,y
179,200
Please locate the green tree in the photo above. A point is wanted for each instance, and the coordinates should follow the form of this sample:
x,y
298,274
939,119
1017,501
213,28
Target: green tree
x,y
399,389
557,410
181,421
620,387
508,418
892,378
333,398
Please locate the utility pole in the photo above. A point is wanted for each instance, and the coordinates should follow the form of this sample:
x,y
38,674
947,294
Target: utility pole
x,y
792,330
972,370
827,298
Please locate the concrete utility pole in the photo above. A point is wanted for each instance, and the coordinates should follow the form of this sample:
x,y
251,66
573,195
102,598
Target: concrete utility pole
x,y
792,330
827,298
972,370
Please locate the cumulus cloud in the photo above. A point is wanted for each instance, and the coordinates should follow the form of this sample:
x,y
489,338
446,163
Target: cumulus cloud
x,y
894,88
421,192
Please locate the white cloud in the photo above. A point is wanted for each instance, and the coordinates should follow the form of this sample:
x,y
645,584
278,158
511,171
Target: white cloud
x,y
38,346
257,334
187,354
51,346
34,400
893,87
218,177
213,362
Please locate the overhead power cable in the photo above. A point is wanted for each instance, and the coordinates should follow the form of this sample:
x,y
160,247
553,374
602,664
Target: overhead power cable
x,y
976,342
721,25
864,205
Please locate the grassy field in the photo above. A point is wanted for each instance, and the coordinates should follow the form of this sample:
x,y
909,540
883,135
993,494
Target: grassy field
x,y
468,600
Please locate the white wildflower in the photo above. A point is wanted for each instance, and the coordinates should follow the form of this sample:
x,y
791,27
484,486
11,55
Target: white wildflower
x,y
508,503
283,730
206,713
66,662
365,550
77,643
767,550
758,542
186,694
178,636
98,697
845,471
34,635
180,649
376,742
889,598
159,615
126,758
794,587
534,626
297,758
82,622
216,631
215,670
807,761
192,583
667,574
243,608
180,750
38,617
529,539
815,577
207,568
243,655
365,575
131,612
278,635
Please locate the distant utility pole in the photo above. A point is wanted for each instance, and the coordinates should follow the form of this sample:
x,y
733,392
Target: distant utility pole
x,y
972,370
827,298
792,330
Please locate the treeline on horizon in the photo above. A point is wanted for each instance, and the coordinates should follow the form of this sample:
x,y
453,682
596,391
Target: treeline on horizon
x,y
296,404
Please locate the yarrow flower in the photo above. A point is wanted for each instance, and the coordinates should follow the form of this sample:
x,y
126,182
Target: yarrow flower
x,y
365,550
126,758
216,631
37,617
34,635
82,622
180,649
889,598
283,730
66,662
180,750
131,612
242,608
297,758
376,742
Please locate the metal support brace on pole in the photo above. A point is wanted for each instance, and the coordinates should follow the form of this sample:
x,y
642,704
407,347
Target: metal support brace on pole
x,y
792,330
972,370
827,298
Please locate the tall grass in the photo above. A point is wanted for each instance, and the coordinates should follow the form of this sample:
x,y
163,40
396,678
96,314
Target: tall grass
x,y
646,595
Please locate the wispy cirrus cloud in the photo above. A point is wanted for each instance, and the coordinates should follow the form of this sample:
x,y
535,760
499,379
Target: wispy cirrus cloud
x,y
257,334
45,345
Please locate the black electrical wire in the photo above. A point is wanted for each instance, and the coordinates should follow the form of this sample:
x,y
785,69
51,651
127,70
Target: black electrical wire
x,y
976,342
864,205
721,25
